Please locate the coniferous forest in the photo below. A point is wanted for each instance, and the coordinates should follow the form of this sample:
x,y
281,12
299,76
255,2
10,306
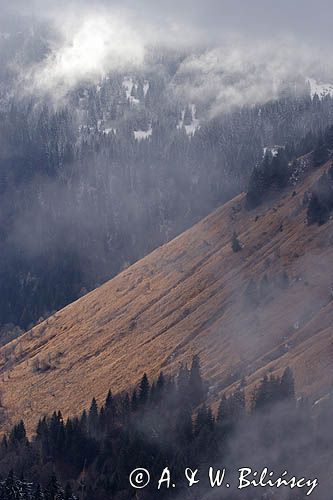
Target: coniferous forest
x,y
168,422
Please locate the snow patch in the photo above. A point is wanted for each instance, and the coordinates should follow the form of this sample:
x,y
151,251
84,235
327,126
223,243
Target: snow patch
x,y
273,150
109,131
128,84
320,89
142,135
193,126
146,86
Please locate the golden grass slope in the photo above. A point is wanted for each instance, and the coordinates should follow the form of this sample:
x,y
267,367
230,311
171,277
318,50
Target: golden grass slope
x,y
187,297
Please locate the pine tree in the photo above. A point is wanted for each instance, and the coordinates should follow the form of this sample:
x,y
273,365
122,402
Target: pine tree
x,y
4,446
152,394
125,408
196,386
159,388
320,153
134,402
183,382
188,115
316,212
235,243
204,420
18,434
258,183
222,413
84,422
102,421
329,140
140,92
93,417
68,492
287,385
184,426
38,495
279,170
144,388
53,490
109,401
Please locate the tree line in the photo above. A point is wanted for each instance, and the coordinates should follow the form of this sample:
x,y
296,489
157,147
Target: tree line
x,y
167,422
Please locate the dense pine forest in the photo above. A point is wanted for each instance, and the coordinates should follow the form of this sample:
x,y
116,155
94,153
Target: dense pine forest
x,y
170,423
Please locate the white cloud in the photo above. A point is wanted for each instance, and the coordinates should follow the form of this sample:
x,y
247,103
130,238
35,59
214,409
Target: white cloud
x,y
246,72
89,48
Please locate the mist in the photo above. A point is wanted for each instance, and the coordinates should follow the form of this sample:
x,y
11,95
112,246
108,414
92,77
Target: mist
x,y
239,53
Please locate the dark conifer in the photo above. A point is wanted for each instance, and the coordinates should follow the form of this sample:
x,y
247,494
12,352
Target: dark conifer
x,y
109,401
134,401
320,153
287,385
144,389
93,417
196,386
235,243
38,495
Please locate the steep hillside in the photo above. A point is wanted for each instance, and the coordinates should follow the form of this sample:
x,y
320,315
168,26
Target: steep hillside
x,y
265,307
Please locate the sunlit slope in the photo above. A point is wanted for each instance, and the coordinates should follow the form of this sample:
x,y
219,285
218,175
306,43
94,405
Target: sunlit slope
x,y
193,295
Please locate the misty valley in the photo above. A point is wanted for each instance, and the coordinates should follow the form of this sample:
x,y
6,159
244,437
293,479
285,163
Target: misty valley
x,y
166,244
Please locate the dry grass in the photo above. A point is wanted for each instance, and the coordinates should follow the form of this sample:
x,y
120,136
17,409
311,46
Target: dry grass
x,y
188,297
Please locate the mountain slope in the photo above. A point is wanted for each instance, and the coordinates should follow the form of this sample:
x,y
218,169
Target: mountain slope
x,y
244,313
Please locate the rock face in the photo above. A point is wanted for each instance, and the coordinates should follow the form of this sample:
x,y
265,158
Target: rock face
x,y
246,313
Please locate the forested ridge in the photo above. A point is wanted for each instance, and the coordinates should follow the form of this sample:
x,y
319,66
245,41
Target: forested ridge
x,y
167,423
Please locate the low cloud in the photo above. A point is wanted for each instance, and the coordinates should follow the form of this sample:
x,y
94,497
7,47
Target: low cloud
x,y
87,50
241,73
253,46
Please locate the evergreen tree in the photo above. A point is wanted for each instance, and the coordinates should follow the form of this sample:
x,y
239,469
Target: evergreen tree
x,y
134,402
109,401
38,495
12,488
144,388
18,435
329,140
68,492
93,417
320,153
279,170
258,183
183,382
84,422
196,386
126,408
287,385
317,212
188,115
160,385
53,490
235,243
